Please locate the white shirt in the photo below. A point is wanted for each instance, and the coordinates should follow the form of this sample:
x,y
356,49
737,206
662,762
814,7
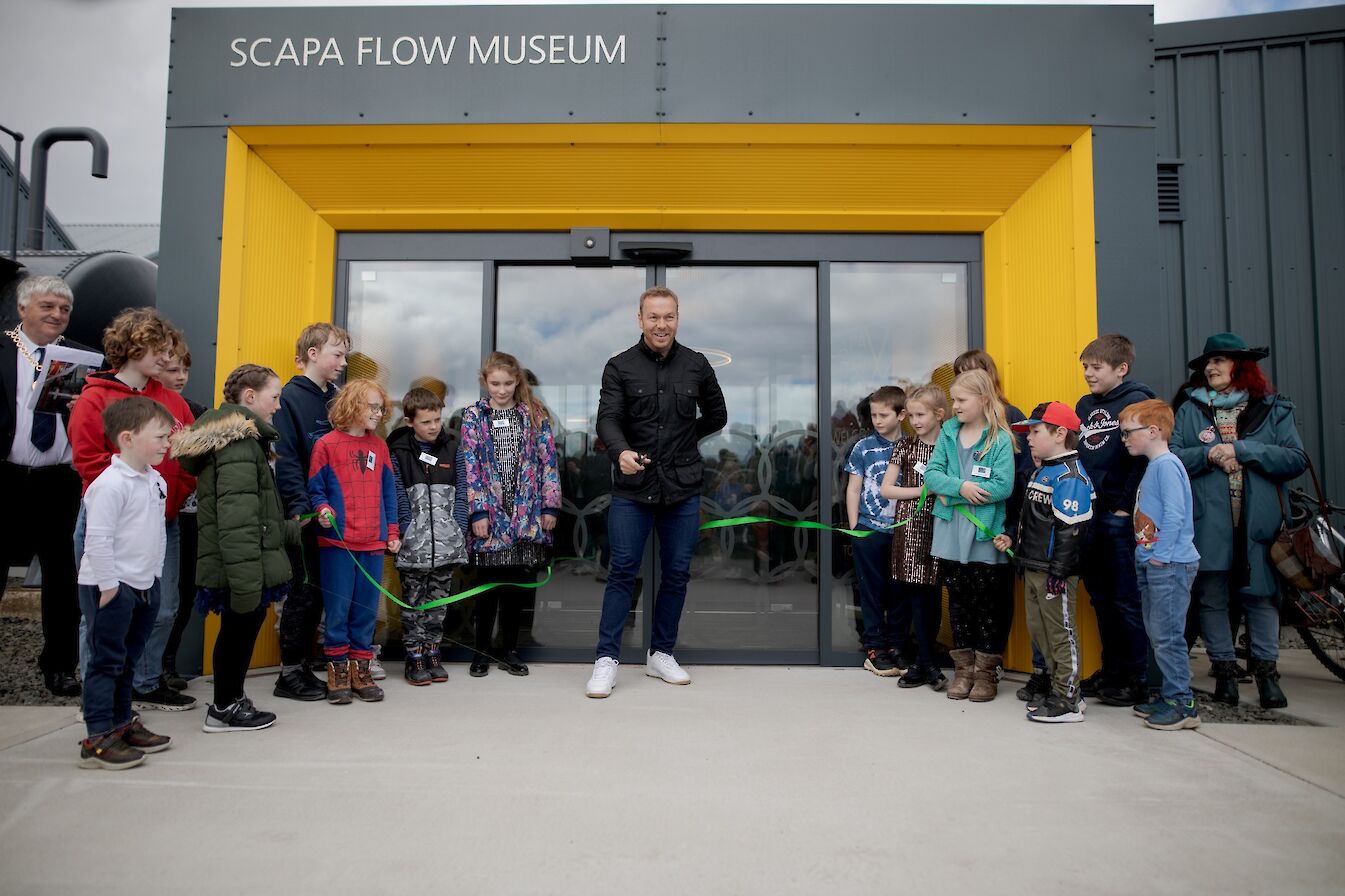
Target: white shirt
x,y
23,452
125,538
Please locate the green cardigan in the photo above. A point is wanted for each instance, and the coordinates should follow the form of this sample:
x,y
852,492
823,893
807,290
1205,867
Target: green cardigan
x,y
243,530
944,478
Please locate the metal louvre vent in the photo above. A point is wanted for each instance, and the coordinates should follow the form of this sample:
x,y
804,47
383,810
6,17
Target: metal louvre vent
x,y
1169,191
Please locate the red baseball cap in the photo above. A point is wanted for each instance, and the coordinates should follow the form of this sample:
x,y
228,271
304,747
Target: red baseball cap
x,y
1052,413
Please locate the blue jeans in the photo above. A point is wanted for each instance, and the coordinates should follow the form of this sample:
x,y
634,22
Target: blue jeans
x,y
150,665
1166,592
1212,592
628,526
887,618
350,601
1110,577
150,668
117,636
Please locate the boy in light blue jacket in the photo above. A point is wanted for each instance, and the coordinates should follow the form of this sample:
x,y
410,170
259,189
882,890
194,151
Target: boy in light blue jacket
x,y
1166,560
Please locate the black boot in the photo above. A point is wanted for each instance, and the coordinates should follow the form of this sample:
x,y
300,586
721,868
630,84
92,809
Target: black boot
x,y
300,684
480,667
170,676
1268,684
1225,681
1038,687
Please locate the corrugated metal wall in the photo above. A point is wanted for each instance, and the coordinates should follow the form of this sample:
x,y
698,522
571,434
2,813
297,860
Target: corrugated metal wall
x,y
1258,126
57,238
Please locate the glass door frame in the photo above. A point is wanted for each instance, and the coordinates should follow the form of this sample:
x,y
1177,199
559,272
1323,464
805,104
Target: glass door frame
x,y
493,249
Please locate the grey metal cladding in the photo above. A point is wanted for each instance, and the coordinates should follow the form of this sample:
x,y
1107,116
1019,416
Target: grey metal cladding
x,y
927,64
189,245
902,64
206,90
1258,121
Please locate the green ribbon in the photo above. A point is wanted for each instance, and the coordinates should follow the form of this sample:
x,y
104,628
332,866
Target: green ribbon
x,y
711,524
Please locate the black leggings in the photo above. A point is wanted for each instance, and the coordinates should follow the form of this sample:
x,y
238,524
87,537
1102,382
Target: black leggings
x,y
980,604
509,601
233,652
302,610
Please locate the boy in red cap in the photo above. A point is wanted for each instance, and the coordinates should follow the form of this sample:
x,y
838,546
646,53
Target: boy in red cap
x,y
1052,529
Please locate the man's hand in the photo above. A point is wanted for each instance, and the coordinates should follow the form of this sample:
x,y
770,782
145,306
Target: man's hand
x,y
632,462
481,528
1002,542
974,493
105,597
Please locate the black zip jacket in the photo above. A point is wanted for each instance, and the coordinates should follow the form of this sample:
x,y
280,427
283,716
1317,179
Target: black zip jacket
x,y
1116,475
1053,526
649,404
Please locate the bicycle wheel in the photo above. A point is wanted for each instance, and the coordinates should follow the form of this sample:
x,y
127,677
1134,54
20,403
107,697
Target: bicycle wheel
x,y
1327,643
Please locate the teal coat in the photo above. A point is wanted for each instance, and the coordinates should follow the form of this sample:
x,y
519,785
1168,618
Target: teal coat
x,y
243,529
1271,454
944,478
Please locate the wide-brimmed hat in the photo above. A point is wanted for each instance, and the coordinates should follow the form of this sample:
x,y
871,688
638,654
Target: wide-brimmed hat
x,y
1229,345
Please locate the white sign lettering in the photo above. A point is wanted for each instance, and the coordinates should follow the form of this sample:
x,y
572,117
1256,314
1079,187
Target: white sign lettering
x,y
429,49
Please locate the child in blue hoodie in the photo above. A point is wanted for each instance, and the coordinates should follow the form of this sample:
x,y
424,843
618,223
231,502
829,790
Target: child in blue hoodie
x,y
1108,568
1166,559
301,421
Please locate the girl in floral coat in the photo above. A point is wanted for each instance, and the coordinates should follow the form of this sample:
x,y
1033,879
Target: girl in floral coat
x,y
508,498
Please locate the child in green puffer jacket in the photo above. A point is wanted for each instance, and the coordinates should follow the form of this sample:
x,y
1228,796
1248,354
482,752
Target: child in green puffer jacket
x,y
241,563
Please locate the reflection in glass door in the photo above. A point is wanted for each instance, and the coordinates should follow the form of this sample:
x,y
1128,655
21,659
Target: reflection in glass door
x,y
899,324
754,587
563,323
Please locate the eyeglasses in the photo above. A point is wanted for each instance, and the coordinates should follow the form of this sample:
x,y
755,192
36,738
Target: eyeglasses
x,y
1126,433
377,410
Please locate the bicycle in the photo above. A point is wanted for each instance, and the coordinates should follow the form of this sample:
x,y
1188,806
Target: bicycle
x,y
1318,615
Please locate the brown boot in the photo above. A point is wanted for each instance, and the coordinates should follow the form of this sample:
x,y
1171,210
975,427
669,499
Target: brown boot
x,y
362,682
338,682
962,663
986,686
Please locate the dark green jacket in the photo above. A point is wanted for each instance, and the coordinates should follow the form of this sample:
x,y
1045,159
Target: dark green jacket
x,y
243,530
1271,454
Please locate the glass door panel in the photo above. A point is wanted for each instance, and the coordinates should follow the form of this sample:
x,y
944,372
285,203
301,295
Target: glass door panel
x,y
754,587
563,323
900,324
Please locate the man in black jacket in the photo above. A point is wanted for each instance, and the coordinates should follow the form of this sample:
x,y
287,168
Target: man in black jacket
x,y
647,417
41,489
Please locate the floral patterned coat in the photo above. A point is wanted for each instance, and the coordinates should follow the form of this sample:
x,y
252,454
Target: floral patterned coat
x,y
480,492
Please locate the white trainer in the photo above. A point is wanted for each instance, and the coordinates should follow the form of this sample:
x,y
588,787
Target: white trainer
x,y
603,678
376,670
662,665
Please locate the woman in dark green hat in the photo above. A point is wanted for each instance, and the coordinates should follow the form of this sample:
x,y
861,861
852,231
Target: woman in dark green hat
x,y
1237,437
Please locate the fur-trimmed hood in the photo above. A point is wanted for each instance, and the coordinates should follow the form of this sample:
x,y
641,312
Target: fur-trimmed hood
x,y
217,428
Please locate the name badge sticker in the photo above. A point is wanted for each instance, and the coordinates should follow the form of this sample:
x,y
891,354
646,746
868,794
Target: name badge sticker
x,y
980,471
427,458
369,461
500,423
920,467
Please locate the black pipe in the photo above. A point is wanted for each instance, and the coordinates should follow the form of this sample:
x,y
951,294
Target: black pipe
x,y
37,201
18,181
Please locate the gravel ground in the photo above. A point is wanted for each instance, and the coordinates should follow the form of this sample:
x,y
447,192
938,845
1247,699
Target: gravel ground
x,y
20,643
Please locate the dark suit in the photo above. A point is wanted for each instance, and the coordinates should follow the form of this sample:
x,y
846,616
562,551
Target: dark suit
x,y
41,506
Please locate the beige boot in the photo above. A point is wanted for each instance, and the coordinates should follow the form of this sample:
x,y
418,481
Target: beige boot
x,y
986,687
338,682
362,682
962,663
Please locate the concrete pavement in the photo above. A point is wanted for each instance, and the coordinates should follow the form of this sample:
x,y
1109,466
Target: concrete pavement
x,y
751,780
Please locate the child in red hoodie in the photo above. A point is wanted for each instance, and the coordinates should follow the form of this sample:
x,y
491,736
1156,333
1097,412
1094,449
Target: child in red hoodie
x,y
136,345
354,492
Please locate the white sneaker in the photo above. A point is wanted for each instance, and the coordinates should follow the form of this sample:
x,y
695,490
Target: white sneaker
x,y
603,679
662,665
376,670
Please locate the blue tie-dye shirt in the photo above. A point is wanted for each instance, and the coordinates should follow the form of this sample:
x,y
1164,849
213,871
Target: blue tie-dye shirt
x,y
869,459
